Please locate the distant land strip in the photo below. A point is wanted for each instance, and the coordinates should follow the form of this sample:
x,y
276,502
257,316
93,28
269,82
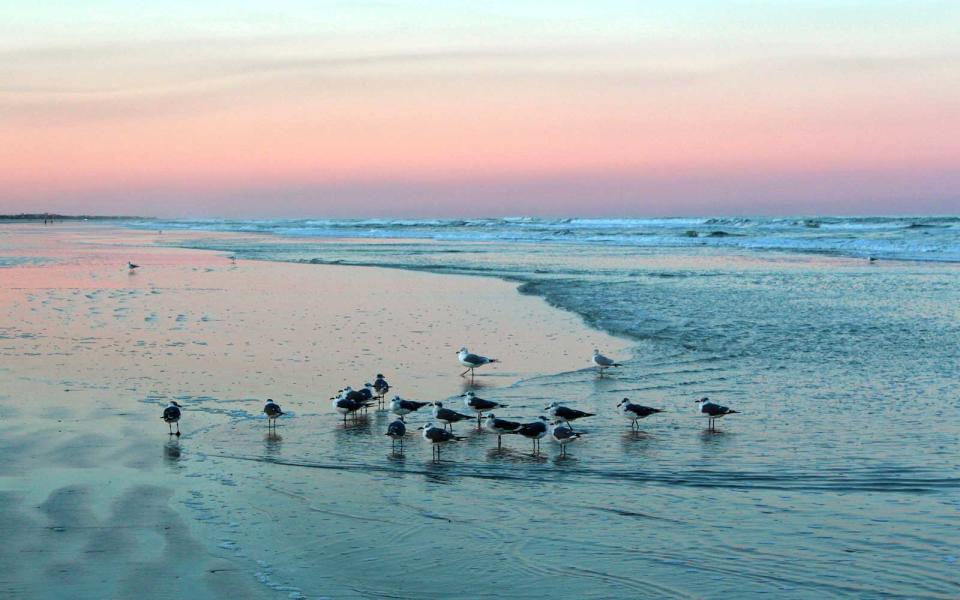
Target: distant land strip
x,y
55,217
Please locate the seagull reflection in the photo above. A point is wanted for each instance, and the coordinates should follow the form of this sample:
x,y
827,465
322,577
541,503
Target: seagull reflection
x,y
171,451
272,444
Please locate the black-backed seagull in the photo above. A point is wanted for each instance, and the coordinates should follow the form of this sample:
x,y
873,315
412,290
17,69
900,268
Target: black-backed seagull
x,y
500,427
400,407
635,412
171,415
345,406
381,387
437,436
447,416
712,411
563,434
565,414
479,405
396,431
535,431
272,410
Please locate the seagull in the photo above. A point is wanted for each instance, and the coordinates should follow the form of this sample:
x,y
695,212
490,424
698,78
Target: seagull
x,y
500,427
565,414
171,414
447,416
635,412
472,402
272,410
396,431
534,431
351,394
368,393
346,406
563,434
713,411
602,361
132,266
472,361
437,436
400,407
381,387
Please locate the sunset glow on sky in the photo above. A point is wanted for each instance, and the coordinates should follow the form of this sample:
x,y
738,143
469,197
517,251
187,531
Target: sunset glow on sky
x,y
336,109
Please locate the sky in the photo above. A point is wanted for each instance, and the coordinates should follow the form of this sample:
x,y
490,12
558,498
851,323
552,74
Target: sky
x,y
464,109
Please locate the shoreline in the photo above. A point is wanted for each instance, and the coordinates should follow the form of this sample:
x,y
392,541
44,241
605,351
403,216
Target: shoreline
x,y
98,350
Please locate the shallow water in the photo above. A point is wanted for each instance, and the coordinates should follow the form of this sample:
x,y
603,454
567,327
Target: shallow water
x,y
840,477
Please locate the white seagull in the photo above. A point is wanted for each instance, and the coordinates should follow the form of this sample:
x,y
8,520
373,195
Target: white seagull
x,y
171,415
563,434
437,436
635,412
603,362
272,410
472,361
712,411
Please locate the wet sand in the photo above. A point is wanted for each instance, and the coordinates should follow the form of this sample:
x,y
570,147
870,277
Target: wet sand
x,y
98,502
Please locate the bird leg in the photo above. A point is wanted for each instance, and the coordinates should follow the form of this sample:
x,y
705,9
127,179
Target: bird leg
x,y
465,372
499,441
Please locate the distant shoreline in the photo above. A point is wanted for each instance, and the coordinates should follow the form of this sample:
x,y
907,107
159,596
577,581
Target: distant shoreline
x,y
31,217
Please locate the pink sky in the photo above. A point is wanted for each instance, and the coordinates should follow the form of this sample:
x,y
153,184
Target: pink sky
x,y
587,114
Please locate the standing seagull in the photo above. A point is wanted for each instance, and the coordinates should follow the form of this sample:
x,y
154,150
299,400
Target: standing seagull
x,y
171,415
472,402
437,436
400,407
272,410
563,434
565,414
472,361
713,411
345,406
603,362
635,412
396,431
358,396
534,432
447,416
132,266
381,387
500,427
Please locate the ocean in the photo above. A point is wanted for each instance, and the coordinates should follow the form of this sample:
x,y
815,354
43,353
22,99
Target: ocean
x,y
836,339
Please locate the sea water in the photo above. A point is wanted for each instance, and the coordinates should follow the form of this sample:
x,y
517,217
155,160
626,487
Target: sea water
x,y
837,340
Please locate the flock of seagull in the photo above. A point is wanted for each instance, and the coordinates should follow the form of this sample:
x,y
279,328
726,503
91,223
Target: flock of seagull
x,y
351,403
